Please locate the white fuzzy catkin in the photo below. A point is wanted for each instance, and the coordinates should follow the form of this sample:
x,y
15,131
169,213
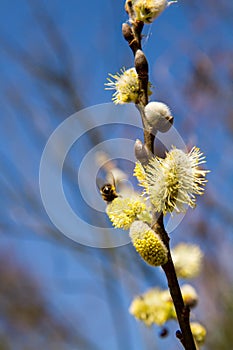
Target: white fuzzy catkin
x,y
158,116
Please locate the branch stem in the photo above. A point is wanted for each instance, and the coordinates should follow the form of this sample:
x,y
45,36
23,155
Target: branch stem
x,y
182,310
132,35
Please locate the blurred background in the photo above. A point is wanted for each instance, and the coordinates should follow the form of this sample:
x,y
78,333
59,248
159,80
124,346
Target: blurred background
x,y
54,58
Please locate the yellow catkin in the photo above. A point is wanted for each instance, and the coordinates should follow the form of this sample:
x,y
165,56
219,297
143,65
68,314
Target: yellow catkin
x,y
123,211
148,244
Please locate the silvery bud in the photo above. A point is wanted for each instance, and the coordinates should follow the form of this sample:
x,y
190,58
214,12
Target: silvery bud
x,y
141,152
158,116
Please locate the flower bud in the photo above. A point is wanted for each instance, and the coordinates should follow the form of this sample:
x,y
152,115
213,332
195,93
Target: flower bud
x,y
141,152
141,63
127,32
158,116
129,37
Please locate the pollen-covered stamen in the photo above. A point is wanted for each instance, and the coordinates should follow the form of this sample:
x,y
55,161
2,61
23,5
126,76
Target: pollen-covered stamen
x,y
187,259
153,307
124,211
148,10
173,182
199,332
126,85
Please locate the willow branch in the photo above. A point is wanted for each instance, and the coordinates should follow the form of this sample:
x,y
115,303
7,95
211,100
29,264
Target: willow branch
x,y
132,35
182,310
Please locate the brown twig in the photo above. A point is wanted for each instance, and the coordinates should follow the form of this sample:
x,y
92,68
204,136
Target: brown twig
x,y
182,310
132,35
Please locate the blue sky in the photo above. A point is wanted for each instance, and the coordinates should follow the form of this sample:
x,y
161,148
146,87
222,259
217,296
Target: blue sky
x,y
73,277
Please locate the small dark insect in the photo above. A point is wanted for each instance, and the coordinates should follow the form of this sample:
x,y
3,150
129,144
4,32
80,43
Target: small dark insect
x,y
108,193
108,189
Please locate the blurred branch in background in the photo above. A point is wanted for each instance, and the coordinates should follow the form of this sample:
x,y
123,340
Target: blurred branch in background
x,y
26,320
222,332
51,65
51,92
